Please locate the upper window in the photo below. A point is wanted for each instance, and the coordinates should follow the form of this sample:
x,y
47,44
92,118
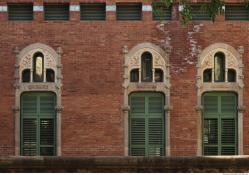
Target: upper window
x,y
38,73
129,11
92,11
20,11
146,71
198,13
161,11
219,73
236,12
56,11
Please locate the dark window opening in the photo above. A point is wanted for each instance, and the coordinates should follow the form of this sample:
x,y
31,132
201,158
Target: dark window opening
x,y
231,75
26,76
207,75
93,11
38,67
129,11
56,11
134,75
20,11
50,75
219,67
158,75
146,67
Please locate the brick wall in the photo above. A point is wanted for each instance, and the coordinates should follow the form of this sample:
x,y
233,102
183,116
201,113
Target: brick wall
x,y
92,124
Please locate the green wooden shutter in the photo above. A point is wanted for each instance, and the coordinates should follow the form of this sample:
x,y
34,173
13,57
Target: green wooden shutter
x,y
146,125
129,11
47,125
156,125
93,11
220,124
161,12
38,123
236,12
137,126
29,121
198,13
20,11
228,124
56,11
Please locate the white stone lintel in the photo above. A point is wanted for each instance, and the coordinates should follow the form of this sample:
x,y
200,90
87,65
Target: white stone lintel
x,y
111,8
3,8
147,8
38,8
74,8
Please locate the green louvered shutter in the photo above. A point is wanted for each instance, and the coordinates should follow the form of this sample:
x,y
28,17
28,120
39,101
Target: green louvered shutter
x,y
155,125
56,12
47,124
137,126
29,122
210,131
220,124
198,13
38,124
20,11
129,11
236,12
146,125
93,11
228,124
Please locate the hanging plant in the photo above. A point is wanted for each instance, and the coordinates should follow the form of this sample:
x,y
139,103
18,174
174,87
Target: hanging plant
x,y
214,8
186,12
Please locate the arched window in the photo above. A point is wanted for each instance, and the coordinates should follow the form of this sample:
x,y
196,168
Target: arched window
x,y
134,75
220,73
158,75
207,75
219,67
146,67
26,75
231,75
38,66
50,75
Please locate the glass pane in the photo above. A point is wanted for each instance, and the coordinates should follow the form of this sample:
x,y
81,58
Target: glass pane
x,y
38,66
207,75
134,75
231,75
50,75
26,75
219,67
158,75
147,67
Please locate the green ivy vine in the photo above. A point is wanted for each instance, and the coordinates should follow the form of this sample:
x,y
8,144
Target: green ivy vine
x,y
212,7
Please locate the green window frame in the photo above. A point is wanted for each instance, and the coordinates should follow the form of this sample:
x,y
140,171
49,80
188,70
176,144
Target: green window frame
x,y
220,123
146,124
38,124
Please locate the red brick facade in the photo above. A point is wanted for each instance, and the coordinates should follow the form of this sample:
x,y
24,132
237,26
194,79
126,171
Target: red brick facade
x,y
92,123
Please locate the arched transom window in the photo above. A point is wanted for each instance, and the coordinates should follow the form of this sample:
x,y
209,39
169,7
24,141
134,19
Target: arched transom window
x,y
219,67
38,66
147,66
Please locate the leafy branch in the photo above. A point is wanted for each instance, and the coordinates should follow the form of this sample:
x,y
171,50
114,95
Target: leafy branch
x,y
212,7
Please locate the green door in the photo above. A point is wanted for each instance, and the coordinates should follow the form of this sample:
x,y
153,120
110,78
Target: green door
x,y
146,124
38,124
219,123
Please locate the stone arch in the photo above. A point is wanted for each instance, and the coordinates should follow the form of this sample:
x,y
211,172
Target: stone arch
x,y
233,61
23,61
132,60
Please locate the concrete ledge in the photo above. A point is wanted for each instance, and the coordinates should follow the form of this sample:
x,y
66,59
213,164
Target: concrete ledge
x,y
125,164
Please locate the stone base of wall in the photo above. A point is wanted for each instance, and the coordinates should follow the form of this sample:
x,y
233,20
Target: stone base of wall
x,y
125,164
